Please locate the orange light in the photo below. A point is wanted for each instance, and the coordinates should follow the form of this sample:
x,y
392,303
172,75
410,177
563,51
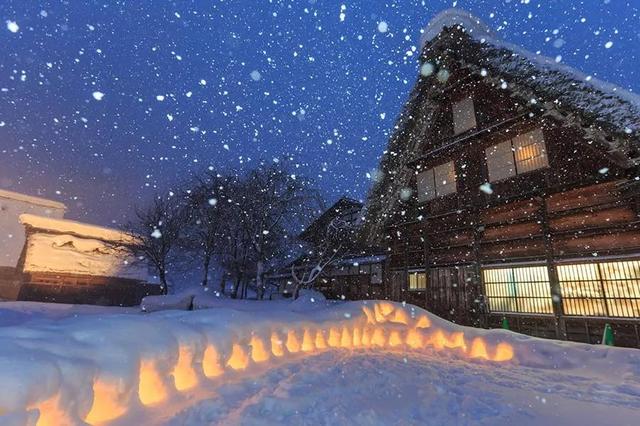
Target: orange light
x,y
345,340
366,337
307,342
377,313
151,388
258,351
423,322
378,337
504,352
211,362
184,375
371,319
106,404
51,414
414,339
239,360
400,317
456,340
320,342
293,345
357,337
334,338
395,339
277,345
478,349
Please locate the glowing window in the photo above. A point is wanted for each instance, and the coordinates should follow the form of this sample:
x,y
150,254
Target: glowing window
x,y
530,152
437,182
610,289
417,280
464,116
523,154
519,289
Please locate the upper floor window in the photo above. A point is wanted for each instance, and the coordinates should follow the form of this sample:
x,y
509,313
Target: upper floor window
x,y
436,182
521,154
464,116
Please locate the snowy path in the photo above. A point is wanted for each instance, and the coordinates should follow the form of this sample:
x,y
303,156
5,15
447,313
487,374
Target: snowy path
x,y
370,363
432,389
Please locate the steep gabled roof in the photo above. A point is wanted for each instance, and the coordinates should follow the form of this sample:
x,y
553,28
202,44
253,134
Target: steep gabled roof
x,y
606,114
318,227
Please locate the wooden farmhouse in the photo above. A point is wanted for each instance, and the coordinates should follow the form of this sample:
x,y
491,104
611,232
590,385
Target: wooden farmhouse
x,y
510,189
356,274
48,259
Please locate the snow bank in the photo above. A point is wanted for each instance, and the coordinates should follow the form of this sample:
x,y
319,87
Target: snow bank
x,y
101,368
166,302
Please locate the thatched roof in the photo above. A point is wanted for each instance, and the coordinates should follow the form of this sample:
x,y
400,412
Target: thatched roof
x,y
606,114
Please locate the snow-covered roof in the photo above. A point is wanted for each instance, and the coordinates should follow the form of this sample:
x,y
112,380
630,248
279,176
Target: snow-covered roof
x,y
16,196
453,17
605,113
608,104
63,226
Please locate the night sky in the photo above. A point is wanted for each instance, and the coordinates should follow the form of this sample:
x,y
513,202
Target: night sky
x,y
192,84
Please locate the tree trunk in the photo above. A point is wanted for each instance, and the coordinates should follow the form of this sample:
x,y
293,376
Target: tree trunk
x,y
236,287
163,281
259,283
205,278
223,284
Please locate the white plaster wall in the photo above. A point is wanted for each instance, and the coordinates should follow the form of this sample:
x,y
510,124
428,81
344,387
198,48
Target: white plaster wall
x,y
12,234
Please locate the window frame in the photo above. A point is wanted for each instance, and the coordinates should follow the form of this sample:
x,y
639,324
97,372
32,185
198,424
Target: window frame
x,y
457,111
436,188
514,159
417,273
506,294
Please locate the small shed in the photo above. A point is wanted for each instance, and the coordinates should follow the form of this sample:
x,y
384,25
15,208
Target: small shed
x,y
12,205
71,262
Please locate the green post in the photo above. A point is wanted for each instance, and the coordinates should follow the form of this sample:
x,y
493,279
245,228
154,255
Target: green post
x,y
505,323
607,336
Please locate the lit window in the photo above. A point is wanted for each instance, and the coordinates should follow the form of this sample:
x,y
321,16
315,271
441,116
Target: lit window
x,y
417,280
437,182
609,289
530,152
464,116
522,154
521,289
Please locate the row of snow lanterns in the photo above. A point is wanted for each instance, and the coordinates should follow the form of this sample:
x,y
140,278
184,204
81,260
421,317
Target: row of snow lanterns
x,y
387,327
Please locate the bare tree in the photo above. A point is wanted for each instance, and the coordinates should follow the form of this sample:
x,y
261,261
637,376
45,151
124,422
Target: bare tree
x,y
159,227
208,212
275,204
339,238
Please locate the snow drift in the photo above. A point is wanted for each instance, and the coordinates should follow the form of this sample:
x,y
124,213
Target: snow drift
x,y
104,369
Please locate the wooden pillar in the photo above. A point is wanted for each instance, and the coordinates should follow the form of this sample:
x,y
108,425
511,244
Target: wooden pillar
x,y
427,255
480,317
554,282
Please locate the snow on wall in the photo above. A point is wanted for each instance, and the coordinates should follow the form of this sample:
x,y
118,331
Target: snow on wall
x,y
65,253
116,368
12,235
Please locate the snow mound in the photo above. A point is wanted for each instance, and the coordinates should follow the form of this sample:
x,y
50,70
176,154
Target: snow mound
x,y
167,302
308,300
125,368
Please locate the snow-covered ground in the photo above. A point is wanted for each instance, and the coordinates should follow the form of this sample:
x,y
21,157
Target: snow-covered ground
x,y
303,362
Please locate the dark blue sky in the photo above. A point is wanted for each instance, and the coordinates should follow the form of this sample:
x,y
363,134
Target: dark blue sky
x,y
242,80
